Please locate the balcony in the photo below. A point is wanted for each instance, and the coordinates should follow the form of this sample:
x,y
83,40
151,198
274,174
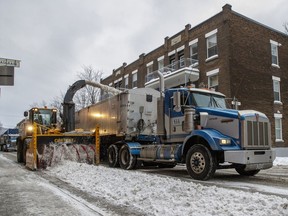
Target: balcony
x,y
178,73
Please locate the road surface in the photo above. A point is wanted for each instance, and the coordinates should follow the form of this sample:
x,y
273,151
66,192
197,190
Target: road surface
x,y
24,192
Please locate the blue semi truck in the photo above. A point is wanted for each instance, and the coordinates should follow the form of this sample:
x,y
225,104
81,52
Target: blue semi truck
x,y
191,126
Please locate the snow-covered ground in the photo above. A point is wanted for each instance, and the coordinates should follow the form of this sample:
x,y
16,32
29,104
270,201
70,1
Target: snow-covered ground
x,y
158,195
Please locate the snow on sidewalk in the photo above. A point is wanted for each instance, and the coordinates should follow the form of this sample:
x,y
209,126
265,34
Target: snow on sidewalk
x,y
156,195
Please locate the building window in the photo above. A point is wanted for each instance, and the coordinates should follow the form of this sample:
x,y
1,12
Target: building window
x,y
182,61
274,53
118,83
172,62
134,79
149,67
194,53
160,63
278,127
276,89
126,81
211,40
213,79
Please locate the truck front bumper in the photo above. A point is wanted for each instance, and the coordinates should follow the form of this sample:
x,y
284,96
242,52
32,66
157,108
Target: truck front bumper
x,y
253,159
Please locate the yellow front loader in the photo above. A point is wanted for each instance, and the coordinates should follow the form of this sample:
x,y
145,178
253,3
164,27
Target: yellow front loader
x,y
41,144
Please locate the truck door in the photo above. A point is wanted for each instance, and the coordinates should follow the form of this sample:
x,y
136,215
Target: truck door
x,y
177,118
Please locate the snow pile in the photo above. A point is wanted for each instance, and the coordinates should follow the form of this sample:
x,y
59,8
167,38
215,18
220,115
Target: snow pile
x,y
279,161
157,195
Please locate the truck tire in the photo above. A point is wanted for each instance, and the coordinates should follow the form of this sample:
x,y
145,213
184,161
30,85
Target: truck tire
x,y
241,170
113,159
200,163
126,159
19,151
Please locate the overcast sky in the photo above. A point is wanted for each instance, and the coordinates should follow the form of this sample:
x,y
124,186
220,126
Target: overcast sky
x,y
54,39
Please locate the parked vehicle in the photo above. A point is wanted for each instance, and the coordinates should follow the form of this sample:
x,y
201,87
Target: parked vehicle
x,y
8,140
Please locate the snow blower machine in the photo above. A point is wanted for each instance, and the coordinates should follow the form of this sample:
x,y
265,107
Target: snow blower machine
x,y
41,143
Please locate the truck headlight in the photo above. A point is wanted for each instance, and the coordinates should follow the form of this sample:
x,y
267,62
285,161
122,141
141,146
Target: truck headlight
x,y
225,141
30,128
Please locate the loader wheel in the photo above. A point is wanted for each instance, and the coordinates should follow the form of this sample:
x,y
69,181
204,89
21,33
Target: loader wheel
x,y
126,159
112,152
19,151
200,163
241,170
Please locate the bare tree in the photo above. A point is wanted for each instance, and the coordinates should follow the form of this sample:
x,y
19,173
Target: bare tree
x,y
57,103
285,25
88,95
42,104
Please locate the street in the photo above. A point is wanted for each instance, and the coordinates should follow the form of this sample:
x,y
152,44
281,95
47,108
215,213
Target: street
x,y
24,192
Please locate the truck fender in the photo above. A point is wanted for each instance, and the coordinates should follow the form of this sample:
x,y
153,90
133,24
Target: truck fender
x,y
134,148
205,134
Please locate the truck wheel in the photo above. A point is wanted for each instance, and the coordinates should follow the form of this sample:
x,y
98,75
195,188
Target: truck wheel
x,y
200,163
126,159
241,171
113,156
19,151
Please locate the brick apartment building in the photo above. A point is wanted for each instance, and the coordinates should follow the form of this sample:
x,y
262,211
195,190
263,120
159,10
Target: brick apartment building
x,y
234,55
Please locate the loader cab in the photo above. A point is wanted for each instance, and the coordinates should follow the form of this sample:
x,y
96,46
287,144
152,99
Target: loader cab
x,y
42,116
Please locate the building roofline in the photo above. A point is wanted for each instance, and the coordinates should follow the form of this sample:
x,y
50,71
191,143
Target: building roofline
x,y
226,7
260,24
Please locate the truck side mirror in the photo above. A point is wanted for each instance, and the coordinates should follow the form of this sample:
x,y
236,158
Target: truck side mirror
x,y
177,101
25,114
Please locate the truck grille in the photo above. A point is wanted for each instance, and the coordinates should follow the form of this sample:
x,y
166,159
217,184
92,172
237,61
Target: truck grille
x,y
257,135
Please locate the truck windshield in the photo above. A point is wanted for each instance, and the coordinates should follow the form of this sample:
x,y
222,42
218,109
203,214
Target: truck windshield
x,y
208,100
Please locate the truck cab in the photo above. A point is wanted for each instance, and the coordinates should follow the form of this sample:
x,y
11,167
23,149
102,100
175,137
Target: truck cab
x,y
211,136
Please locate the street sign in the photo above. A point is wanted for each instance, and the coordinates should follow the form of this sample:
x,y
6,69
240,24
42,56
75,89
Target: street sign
x,y
7,76
9,62
7,71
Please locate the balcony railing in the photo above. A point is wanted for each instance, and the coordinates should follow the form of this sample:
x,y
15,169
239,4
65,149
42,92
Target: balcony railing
x,y
182,63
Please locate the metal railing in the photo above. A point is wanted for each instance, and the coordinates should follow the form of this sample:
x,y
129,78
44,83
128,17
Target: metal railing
x,y
182,63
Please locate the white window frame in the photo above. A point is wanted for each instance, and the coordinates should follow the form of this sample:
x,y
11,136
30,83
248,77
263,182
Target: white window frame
x,y
126,81
182,61
276,80
278,117
160,62
134,79
149,67
274,53
211,74
191,44
208,36
118,83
